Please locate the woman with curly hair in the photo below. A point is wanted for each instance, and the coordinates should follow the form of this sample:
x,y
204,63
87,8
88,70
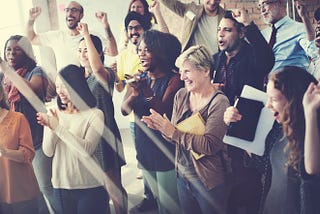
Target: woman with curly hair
x,y
285,92
157,52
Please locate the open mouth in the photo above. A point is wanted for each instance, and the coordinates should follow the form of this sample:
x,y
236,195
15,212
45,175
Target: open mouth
x,y
144,62
187,82
276,116
221,42
70,19
264,15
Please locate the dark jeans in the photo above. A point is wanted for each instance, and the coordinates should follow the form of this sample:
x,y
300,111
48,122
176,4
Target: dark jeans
x,y
82,201
245,192
310,194
195,198
24,207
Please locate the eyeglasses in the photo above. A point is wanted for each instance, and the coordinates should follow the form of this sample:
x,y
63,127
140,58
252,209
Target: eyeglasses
x,y
136,28
266,4
73,10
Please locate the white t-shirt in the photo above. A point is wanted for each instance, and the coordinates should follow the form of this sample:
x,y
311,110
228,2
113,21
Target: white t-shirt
x,y
65,47
206,33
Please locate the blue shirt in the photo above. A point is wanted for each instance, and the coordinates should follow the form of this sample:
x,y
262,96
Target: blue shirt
x,y
292,47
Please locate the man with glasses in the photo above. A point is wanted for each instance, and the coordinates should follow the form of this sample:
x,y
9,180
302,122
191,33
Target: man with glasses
x,y
291,40
65,43
128,64
314,67
128,61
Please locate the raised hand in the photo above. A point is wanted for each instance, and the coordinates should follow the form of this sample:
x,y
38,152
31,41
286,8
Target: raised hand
x,y
34,13
103,18
301,8
83,28
242,16
154,6
311,98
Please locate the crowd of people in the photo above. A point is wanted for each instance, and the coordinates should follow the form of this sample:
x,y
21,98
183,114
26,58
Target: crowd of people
x,y
64,154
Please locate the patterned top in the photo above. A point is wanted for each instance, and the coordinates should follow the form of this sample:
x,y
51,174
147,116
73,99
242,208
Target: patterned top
x,y
17,180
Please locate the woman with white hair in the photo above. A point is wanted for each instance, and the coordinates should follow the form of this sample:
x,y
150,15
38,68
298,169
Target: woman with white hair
x,y
201,158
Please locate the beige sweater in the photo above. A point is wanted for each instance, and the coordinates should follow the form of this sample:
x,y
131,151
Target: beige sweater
x,y
72,145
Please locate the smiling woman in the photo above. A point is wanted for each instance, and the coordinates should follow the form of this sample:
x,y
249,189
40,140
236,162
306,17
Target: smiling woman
x,y
157,52
201,156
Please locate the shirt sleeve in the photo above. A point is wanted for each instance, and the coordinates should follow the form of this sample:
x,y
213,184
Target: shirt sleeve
x,y
25,140
87,144
49,142
49,38
177,7
211,142
264,60
309,47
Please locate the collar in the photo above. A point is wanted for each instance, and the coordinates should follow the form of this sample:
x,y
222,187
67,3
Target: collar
x,y
132,47
281,22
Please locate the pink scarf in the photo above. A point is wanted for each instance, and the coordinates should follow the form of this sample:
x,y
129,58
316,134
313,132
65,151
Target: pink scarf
x,y
11,91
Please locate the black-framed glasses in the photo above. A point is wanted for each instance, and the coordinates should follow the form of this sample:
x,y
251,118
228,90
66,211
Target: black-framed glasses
x,y
136,28
266,3
73,10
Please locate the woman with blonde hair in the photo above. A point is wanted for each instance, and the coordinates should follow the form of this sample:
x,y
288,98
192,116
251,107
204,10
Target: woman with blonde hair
x,y
201,158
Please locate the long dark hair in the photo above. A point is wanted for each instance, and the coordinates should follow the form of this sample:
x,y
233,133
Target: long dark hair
x,y
77,86
292,82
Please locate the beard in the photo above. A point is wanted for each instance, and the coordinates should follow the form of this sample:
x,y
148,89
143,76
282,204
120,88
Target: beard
x,y
74,26
135,38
